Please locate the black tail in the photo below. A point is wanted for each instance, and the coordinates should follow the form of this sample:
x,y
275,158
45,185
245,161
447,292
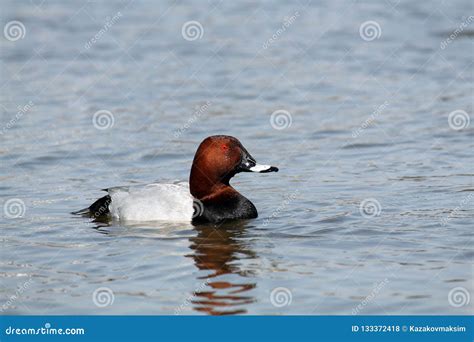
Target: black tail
x,y
97,209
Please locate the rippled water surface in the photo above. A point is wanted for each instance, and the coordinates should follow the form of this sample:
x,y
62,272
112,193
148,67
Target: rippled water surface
x,y
369,128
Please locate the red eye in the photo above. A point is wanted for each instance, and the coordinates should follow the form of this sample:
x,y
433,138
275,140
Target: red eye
x,y
224,147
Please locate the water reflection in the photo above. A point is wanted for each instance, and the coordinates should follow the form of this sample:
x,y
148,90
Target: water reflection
x,y
218,251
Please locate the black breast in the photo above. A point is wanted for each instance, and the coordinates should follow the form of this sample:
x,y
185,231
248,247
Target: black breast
x,y
220,210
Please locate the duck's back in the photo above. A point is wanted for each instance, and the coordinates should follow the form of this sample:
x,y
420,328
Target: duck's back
x,y
152,202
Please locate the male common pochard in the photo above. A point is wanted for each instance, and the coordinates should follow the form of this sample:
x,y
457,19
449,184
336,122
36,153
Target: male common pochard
x,y
208,198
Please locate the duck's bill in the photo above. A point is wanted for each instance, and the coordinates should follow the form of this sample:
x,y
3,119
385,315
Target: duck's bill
x,y
263,168
249,164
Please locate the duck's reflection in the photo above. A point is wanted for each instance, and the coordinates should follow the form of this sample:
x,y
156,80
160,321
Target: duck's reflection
x,y
218,250
218,253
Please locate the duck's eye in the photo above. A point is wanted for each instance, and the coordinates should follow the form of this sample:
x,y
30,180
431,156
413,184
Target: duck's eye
x,y
224,147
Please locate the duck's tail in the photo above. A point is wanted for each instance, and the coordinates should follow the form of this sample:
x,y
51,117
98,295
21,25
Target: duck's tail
x,y
97,209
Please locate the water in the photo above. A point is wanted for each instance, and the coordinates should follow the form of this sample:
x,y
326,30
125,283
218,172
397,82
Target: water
x,y
369,123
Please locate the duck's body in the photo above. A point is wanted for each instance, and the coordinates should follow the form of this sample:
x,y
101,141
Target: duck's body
x,y
152,202
208,198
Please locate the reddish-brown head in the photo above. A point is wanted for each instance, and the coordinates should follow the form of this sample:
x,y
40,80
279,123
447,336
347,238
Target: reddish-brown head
x,y
217,159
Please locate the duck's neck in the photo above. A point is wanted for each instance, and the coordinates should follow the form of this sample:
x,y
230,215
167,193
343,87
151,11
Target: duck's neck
x,y
221,201
203,185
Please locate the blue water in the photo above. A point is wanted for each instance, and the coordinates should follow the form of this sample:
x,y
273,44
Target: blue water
x,y
369,124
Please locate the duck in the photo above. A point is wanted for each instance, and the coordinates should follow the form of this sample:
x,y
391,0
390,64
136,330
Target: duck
x,y
206,198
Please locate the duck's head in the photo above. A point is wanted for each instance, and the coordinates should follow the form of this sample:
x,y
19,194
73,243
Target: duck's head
x,y
217,159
